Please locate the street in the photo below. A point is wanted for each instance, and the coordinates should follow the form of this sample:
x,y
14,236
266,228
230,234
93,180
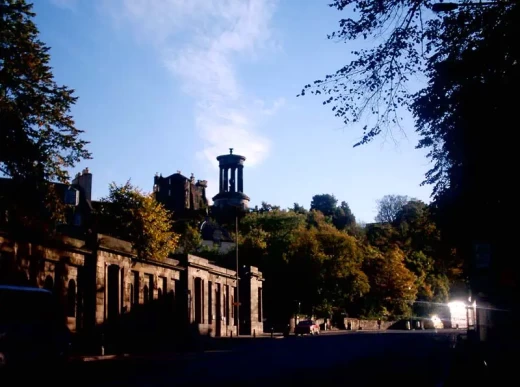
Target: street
x,y
418,358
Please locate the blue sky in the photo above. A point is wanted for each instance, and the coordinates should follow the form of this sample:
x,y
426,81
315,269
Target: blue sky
x,y
167,85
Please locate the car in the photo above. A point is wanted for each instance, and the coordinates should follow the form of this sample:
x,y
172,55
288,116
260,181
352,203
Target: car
x,y
307,327
32,330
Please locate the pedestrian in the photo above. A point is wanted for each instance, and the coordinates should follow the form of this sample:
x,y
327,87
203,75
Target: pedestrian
x,y
379,323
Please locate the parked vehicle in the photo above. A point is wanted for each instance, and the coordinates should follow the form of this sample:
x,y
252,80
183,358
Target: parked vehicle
x,y
31,327
307,327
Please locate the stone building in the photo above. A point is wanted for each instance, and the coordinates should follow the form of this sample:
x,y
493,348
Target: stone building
x,y
181,195
101,284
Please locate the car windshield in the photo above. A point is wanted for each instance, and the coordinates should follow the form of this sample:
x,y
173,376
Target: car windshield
x,y
306,322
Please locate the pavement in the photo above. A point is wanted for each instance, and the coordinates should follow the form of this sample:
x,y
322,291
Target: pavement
x,y
358,358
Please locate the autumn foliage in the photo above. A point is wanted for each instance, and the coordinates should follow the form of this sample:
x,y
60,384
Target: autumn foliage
x,y
132,215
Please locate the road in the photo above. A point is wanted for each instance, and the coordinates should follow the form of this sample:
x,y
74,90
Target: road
x,y
364,358
411,358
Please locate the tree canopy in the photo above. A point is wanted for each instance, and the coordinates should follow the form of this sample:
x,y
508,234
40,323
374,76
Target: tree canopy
x,y
38,136
312,258
466,59
39,141
388,207
129,214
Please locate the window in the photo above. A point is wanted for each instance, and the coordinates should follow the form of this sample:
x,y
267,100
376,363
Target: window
x,y
226,308
210,302
71,299
164,285
135,295
169,192
170,181
146,294
199,319
132,296
260,304
150,282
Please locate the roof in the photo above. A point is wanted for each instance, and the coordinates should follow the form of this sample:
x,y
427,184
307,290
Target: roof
x,y
208,229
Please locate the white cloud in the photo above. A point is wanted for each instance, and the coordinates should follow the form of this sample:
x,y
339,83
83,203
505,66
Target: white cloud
x,y
199,42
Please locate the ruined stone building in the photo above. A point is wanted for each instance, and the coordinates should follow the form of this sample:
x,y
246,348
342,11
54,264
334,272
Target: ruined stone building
x,y
183,196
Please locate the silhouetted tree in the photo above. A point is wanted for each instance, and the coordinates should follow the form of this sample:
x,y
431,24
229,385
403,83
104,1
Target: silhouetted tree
x,y
38,138
324,203
389,206
343,217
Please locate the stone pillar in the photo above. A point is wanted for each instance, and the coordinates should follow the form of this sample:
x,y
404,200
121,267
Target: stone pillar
x,y
120,290
105,293
233,179
220,181
226,184
240,179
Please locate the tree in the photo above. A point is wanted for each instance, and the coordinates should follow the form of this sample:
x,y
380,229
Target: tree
x,y
469,59
325,268
38,137
392,286
343,217
190,240
388,207
325,203
298,209
129,214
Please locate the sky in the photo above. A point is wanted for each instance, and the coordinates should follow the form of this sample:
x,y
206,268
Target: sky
x,y
168,85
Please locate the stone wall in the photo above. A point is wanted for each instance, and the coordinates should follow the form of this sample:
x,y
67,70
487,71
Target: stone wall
x,y
366,325
54,267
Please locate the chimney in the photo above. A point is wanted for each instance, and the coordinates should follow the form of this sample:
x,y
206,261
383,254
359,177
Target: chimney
x,y
84,180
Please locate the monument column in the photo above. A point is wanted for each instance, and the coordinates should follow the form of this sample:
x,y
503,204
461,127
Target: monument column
x,y
220,182
226,184
240,179
233,179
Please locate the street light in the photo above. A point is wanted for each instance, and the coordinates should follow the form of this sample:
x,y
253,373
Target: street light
x,y
447,7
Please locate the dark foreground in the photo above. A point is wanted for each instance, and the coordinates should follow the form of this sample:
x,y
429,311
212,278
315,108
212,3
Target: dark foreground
x,y
415,358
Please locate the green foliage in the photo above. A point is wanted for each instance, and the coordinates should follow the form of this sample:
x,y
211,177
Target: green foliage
x,y
39,141
343,217
378,271
190,240
129,214
393,287
38,137
324,203
468,58
298,209
389,206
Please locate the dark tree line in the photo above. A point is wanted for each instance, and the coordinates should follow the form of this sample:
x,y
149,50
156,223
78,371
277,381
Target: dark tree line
x,y
329,264
468,54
